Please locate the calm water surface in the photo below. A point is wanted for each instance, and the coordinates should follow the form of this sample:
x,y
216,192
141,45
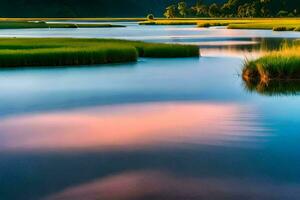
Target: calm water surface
x,y
156,129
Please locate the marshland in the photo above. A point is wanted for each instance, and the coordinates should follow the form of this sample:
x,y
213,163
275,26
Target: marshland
x,y
201,104
282,64
59,52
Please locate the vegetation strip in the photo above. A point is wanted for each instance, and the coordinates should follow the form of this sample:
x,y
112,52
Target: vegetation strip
x,y
42,24
233,8
275,24
282,65
16,52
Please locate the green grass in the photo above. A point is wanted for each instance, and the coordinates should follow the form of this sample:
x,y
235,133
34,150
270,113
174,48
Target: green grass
x,y
168,22
94,19
209,24
283,64
42,24
283,28
276,24
62,51
99,25
297,28
267,24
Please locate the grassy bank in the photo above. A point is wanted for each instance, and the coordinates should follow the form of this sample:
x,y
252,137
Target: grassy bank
x,y
42,24
73,19
169,22
61,51
275,24
276,65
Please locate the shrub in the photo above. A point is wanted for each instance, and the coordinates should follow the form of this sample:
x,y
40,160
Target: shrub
x,y
277,65
16,52
204,25
150,17
282,13
283,28
297,29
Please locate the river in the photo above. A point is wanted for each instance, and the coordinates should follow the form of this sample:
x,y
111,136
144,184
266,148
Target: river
x,y
184,128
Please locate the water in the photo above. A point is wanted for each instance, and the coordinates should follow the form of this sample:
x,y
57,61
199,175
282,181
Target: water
x,y
156,129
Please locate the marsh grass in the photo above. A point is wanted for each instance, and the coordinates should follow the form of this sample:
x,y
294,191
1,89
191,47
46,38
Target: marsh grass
x,y
297,28
276,24
281,65
283,28
168,22
267,24
62,51
167,51
43,24
92,19
99,26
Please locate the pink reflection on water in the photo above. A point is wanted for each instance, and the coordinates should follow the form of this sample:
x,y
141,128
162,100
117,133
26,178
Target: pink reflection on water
x,y
132,126
159,185
232,52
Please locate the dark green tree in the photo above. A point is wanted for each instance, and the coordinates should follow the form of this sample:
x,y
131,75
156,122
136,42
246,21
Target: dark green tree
x,y
200,9
182,8
170,12
214,10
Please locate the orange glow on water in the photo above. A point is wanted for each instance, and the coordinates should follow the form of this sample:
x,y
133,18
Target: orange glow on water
x,y
128,126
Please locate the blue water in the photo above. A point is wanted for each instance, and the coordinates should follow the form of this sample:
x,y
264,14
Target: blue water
x,y
156,129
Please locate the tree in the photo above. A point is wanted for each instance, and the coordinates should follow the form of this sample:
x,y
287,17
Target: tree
x,y
150,17
264,7
214,10
282,13
170,12
200,10
182,8
247,10
228,9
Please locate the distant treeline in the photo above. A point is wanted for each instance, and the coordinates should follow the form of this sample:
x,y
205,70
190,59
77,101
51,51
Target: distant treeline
x,y
88,8
140,8
235,8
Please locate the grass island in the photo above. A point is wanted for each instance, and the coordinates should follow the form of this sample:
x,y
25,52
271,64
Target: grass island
x,y
23,52
281,65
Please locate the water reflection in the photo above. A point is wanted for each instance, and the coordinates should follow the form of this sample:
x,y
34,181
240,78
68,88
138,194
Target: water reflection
x,y
273,88
250,48
134,126
151,33
143,185
157,129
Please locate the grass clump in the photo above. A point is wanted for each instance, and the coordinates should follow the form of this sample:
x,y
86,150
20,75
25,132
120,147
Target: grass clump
x,y
267,24
283,64
94,25
278,24
21,25
207,24
66,51
283,28
297,28
204,25
147,23
43,24
167,50
169,22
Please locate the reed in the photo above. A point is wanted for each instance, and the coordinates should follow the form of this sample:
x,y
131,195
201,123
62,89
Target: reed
x,y
16,52
43,24
283,64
